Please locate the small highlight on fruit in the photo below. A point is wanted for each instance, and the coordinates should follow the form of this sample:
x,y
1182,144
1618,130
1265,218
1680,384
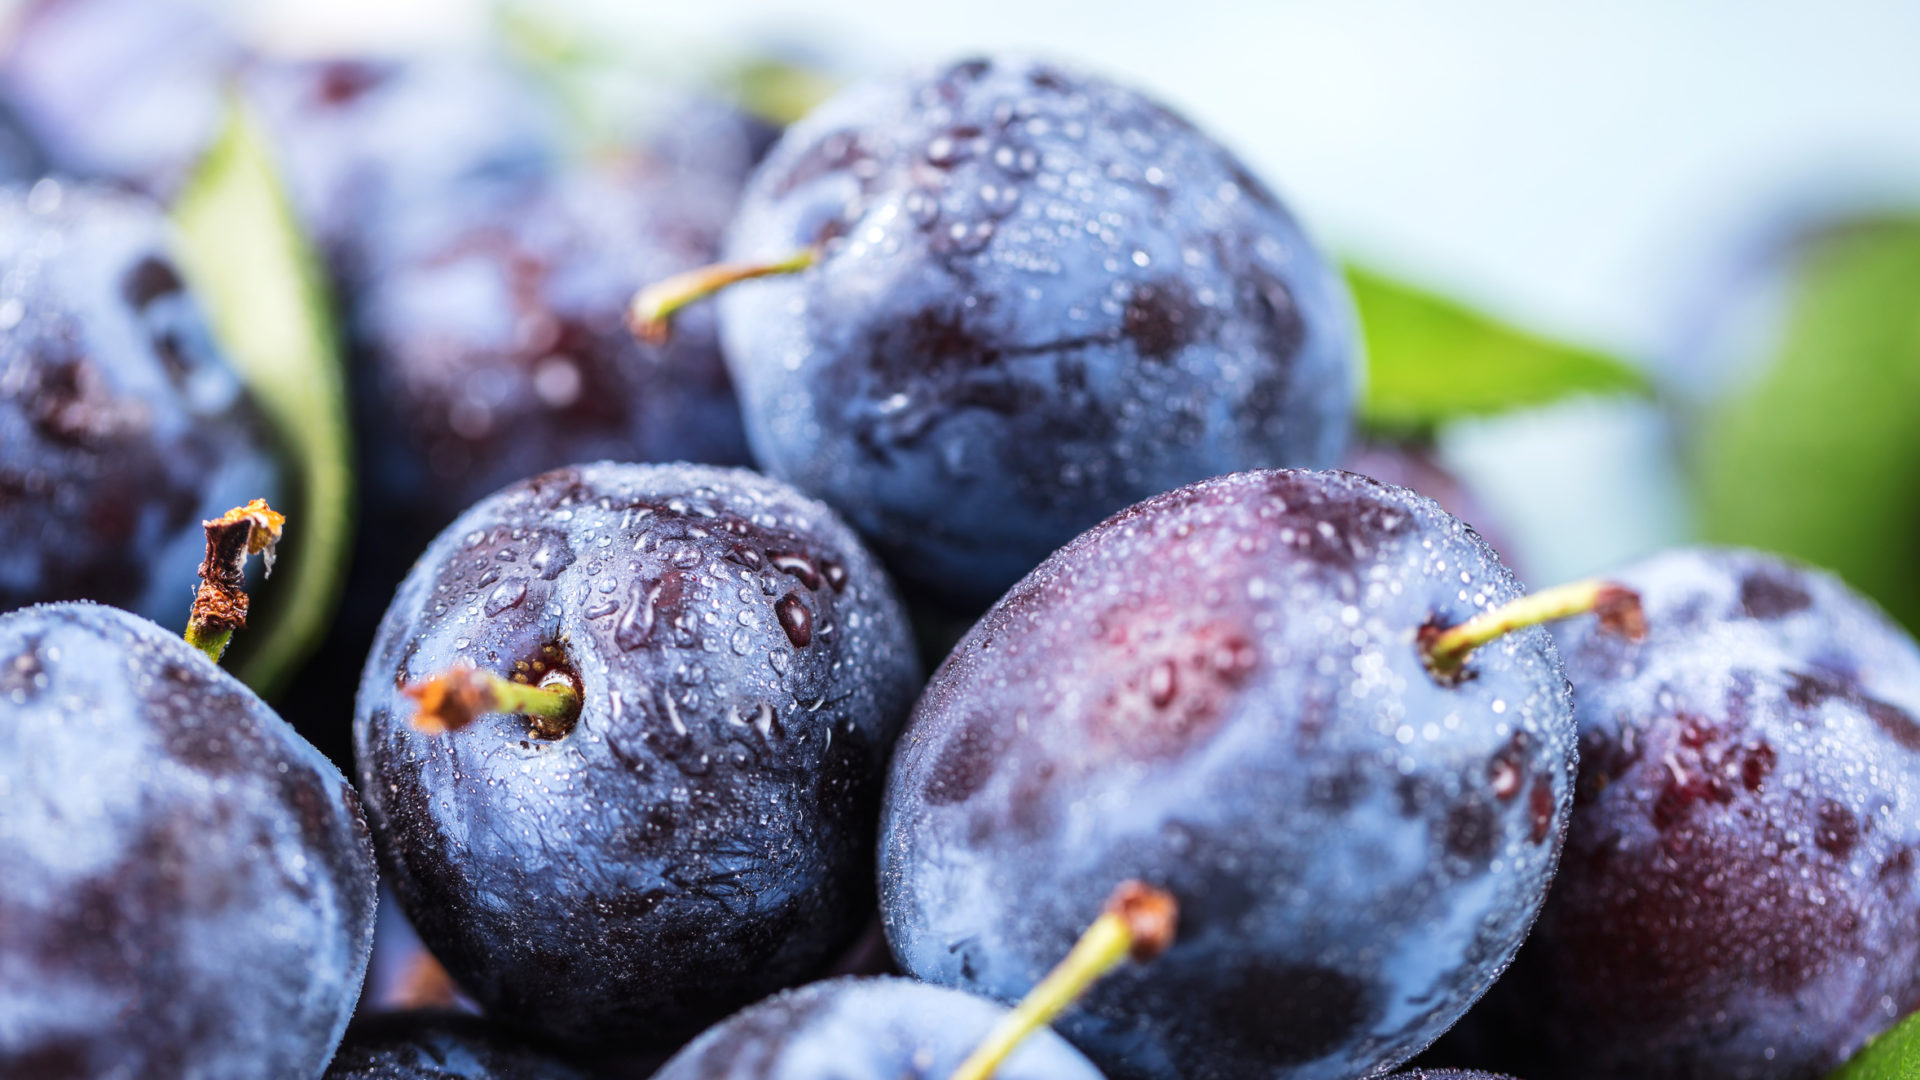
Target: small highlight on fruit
x,y
220,605
1138,924
1444,650
650,317
463,694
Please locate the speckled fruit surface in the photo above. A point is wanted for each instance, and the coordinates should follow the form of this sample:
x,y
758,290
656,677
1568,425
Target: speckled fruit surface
x,y
1041,297
121,425
866,1029
430,1045
188,886
702,835
1738,897
1218,692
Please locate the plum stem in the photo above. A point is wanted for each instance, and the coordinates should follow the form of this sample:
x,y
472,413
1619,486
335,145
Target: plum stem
x,y
220,604
1445,650
1138,924
462,694
650,316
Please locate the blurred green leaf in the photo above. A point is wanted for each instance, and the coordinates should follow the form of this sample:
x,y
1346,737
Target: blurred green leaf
x,y
777,90
1431,360
266,294
1893,1055
1820,456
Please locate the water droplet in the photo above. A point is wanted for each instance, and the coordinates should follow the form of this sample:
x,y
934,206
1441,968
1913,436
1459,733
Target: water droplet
x,y
800,566
1016,160
636,625
509,594
999,200
836,574
552,557
795,619
1162,682
922,207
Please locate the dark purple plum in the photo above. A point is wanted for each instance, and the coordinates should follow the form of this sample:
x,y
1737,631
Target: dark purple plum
x,y
1219,692
121,425
1446,1074
1040,297
700,833
429,1045
493,340
488,317
366,144
123,90
866,1029
189,887
1738,896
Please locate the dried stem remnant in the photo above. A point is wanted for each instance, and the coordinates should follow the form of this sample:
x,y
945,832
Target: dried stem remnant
x,y
462,694
220,605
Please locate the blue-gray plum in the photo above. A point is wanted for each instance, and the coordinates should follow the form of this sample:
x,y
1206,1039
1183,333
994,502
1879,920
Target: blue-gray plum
x,y
866,1029
698,833
188,886
433,1045
1038,297
1221,692
122,426
1738,895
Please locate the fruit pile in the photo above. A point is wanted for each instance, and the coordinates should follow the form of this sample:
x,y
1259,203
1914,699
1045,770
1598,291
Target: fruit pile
x,y
1231,763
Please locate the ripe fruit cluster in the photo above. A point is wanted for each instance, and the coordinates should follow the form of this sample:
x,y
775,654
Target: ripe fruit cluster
x,y
1243,766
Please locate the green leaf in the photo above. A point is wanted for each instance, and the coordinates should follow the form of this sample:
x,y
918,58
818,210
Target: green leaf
x,y
1819,457
265,292
1431,360
1894,1054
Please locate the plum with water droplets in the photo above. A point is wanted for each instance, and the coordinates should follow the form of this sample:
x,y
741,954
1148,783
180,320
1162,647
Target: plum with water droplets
x,y
866,1029
1738,895
188,887
1038,297
699,832
122,426
1221,691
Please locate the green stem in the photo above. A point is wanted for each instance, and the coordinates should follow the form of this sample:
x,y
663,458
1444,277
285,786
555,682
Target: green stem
x,y
1138,923
651,315
210,640
1445,651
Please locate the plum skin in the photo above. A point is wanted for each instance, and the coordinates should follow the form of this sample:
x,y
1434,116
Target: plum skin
x,y
189,886
1041,297
1749,773
436,1045
1217,692
866,1029
702,836
122,426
